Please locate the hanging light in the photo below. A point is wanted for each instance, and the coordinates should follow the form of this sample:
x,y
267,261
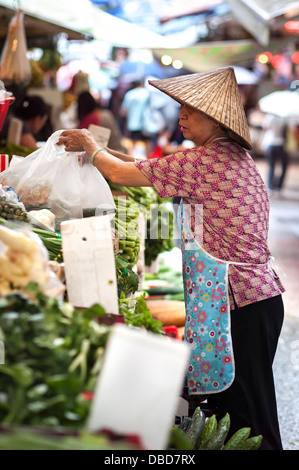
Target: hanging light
x,y
264,57
166,59
177,64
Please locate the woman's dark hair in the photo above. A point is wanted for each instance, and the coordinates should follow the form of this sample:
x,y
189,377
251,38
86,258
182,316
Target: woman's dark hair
x,y
31,107
86,104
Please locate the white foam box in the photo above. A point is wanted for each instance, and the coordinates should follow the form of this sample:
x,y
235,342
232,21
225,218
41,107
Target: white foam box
x,y
139,384
89,259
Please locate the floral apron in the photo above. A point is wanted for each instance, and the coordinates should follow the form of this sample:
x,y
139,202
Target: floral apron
x,y
207,325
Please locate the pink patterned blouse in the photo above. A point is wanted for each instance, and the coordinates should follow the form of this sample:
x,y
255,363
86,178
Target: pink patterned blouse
x,y
225,181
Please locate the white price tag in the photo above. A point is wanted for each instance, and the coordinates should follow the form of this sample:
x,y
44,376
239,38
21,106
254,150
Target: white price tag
x,y
100,134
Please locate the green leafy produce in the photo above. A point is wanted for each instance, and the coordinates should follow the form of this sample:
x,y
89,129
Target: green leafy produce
x,y
36,438
127,280
53,353
178,440
53,243
145,196
159,219
137,314
9,148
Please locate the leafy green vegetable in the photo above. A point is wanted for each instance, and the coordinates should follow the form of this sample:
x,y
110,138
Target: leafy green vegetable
x,y
159,219
52,241
36,438
53,353
127,280
9,148
136,313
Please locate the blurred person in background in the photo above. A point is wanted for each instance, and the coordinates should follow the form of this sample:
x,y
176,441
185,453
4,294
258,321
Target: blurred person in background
x,y
89,112
34,113
133,108
274,143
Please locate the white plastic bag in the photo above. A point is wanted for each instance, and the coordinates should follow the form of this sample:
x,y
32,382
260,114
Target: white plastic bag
x,y
15,67
54,179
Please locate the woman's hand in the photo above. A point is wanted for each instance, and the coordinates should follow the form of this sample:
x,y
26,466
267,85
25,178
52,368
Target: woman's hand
x,y
77,140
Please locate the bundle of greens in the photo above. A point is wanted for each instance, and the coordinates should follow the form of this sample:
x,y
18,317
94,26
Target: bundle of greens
x,y
159,219
143,196
53,243
126,226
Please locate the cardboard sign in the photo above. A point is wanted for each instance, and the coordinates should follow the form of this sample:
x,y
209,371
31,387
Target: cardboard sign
x,y
90,262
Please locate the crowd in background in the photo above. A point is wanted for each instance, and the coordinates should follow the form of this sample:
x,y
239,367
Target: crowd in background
x,y
141,122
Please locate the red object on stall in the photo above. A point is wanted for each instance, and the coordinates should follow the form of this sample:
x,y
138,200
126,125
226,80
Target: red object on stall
x,y
171,331
4,162
4,105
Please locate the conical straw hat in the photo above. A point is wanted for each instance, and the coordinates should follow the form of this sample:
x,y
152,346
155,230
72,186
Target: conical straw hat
x,y
215,94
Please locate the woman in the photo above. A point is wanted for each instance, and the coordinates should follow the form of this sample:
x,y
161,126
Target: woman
x,y
33,112
234,310
89,112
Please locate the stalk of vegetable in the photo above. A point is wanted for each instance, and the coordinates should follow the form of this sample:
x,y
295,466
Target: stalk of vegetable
x,y
52,242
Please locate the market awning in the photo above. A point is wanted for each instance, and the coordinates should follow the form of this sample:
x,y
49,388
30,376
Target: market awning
x,y
256,15
82,19
208,56
36,26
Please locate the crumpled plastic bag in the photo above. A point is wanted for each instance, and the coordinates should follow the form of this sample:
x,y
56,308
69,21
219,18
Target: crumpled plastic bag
x,y
54,179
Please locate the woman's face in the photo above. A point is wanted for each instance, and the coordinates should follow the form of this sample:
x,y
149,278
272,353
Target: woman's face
x,y
195,126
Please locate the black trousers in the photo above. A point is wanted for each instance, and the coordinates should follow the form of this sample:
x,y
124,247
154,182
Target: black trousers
x,y
250,400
